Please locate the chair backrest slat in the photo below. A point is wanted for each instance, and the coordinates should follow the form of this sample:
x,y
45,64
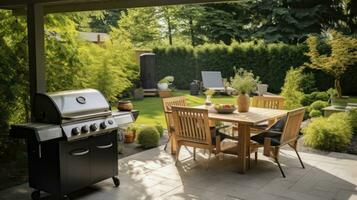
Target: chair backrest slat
x,y
191,124
168,103
273,102
292,125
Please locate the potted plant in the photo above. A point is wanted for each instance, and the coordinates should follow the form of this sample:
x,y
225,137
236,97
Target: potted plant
x,y
139,93
164,83
125,106
245,83
209,93
130,134
343,54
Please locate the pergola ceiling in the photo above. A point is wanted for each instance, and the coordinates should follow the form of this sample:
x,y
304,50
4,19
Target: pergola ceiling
x,y
54,6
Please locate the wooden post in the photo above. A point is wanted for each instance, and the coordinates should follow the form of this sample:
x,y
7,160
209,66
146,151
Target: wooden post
x,y
36,49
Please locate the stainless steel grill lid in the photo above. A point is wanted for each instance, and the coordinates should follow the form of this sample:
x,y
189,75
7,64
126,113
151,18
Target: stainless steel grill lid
x,y
59,107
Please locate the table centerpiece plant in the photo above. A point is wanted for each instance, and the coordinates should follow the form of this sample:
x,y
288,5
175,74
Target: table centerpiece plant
x,y
245,83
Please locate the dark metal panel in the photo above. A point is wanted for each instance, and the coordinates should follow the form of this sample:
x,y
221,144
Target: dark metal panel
x,y
36,48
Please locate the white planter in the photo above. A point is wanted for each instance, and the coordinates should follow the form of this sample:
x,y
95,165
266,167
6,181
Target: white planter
x,y
163,86
262,89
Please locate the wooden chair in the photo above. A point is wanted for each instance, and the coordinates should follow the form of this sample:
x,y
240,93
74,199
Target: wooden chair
x,y
272,140
272,102
167,104
192,129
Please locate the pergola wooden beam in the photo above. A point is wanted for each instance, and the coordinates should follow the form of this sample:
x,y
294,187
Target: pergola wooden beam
x,y
55,6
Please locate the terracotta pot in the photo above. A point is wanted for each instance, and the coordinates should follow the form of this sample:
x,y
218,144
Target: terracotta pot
x,y
125,106
243,102
129,137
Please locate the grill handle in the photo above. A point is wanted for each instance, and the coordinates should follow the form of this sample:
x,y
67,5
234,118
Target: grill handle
x,y
105,146
106,113
79,153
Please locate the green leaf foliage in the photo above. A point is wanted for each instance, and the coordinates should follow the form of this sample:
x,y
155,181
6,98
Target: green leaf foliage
x,y
319,105
333,133
315,113
148,137
308,99
291,89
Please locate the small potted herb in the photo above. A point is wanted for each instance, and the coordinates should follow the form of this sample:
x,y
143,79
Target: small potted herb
x,y
209,93
164,83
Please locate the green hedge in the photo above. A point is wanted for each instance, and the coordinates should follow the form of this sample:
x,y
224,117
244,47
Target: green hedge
x,y
268,61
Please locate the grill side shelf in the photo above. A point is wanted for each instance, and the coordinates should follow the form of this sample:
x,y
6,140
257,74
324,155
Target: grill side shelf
x,y
42,132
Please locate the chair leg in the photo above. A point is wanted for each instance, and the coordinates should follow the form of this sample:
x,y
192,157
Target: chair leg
x,y
209,158
194,153
302,164
281,170
256,157
168,140
177,153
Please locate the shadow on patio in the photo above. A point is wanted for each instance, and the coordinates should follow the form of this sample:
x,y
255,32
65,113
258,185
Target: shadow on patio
x,y
153,175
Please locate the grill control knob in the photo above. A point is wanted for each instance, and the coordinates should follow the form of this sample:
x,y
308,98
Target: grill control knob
x,y
110,122
103,125
93,127
76,131
85,129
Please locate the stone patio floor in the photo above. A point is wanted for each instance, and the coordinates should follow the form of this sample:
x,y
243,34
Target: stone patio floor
x,y
153,175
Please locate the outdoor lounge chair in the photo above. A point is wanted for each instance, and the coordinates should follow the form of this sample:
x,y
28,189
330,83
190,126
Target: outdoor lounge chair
x,y
283,132
213,80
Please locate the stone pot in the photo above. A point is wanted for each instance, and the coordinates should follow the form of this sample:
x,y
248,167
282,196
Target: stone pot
x,y
163,86
339,103
139,94
125,106
262,89
243,102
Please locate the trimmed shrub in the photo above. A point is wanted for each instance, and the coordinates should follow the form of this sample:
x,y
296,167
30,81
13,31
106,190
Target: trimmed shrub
x,y
315,113
148,137
319,105
314,96
353,119
291,90
333,133
160,129
268,61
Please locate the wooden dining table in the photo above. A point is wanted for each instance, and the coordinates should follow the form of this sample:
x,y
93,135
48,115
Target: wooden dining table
x,y
244,122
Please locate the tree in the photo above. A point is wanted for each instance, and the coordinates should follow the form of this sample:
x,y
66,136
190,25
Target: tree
x,y
224,22
343,55
141,26
291,21
105,20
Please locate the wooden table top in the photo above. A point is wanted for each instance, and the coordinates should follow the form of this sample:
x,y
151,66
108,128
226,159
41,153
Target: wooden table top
x,y
253,117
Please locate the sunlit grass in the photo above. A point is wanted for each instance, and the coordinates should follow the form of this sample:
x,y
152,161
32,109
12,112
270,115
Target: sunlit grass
x,y
151,110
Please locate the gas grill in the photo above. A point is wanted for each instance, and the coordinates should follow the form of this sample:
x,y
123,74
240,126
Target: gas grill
x,y
72,142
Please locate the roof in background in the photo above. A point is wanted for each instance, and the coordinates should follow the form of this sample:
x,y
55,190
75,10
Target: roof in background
x,y
93,37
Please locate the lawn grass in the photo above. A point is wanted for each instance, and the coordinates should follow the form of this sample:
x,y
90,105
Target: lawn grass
x,y
151,110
